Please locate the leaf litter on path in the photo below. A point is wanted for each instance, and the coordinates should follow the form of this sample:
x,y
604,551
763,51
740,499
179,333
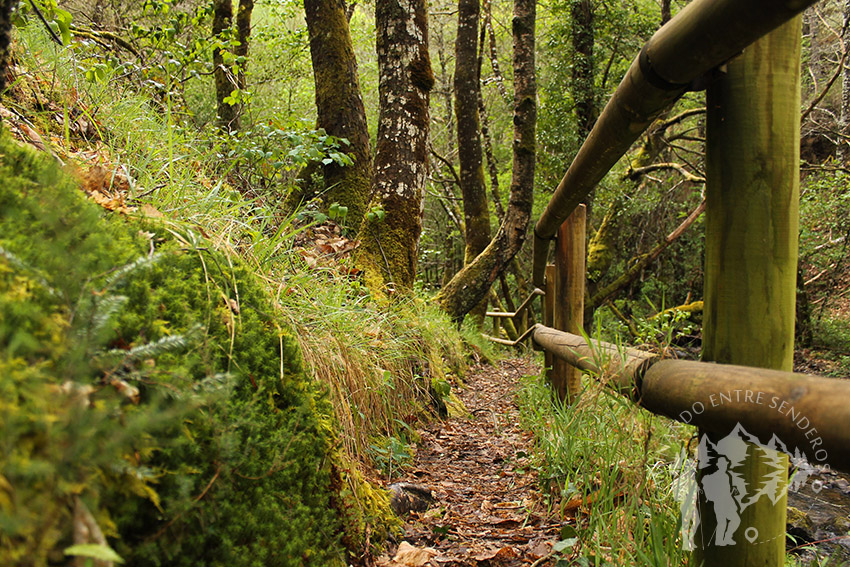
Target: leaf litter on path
x,y
487,508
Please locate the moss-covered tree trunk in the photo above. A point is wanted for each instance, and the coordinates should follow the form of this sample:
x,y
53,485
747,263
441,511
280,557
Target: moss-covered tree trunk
x,y
467,90
340,106
225,82
472,283
752,164
388,253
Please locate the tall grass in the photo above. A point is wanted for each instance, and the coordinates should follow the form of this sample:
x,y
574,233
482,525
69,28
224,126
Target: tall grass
x,y
379,363
619,461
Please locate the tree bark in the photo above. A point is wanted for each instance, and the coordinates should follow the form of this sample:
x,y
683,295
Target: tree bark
x,y
6,7
665,11
467,88
843,152
243,35
583,68
225,82
340,106
752,195
472,283
389,249
583,76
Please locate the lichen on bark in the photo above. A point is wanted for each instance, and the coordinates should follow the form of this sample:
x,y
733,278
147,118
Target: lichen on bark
x,y
388,253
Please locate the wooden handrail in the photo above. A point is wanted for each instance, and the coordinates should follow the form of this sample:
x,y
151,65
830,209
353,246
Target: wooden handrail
x,y
801,414
519,310
702,37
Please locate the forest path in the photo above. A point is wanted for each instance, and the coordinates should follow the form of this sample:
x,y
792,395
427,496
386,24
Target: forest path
x,y
487,510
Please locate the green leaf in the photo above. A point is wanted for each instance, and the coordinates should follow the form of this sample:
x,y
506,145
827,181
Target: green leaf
x,y
565,544
95,551
568,532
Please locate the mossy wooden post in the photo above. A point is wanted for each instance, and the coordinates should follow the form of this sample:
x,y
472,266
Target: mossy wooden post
x,y
569,297
549,316
752,166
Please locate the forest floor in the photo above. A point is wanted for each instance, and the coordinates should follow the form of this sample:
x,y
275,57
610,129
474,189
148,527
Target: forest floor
x,y
487,508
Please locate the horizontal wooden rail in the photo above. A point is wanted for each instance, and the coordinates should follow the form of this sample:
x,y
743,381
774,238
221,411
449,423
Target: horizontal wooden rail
x,y
519,310
797,413
702,37
517,342
620,366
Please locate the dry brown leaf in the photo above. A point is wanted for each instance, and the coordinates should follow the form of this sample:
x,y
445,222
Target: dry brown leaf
x,y
506,552
149,210
414,556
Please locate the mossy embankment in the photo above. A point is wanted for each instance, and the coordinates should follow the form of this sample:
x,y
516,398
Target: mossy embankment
x,y
148,379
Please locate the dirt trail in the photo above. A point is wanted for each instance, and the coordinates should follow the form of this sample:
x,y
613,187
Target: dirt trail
x,y
487,509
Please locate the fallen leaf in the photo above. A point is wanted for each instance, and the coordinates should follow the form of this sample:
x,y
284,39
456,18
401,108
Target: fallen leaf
x,y
414,556
506,552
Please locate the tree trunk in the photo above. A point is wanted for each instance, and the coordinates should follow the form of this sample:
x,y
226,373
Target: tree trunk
x,y
752,197
6,7
472,283
225,82
340,107
467,88
388,252
584,87
843,152
243,34
583,75
665,11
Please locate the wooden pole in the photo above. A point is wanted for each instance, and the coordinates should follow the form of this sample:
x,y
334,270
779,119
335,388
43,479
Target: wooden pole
x,y
569,292
752,171
549,315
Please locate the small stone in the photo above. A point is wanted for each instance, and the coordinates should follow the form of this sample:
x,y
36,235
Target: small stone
x,y
406,497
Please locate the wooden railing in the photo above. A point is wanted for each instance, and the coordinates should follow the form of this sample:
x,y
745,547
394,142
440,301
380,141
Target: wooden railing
x,y
808,413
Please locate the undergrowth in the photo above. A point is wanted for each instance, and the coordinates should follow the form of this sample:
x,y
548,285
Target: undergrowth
x,y
268,390
620,461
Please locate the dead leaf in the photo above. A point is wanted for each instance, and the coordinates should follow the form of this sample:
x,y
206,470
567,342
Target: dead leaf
x,y
149,210
414,556
506,552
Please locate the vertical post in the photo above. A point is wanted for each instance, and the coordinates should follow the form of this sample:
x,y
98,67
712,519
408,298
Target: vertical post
x,y
752,170
549,314
569,290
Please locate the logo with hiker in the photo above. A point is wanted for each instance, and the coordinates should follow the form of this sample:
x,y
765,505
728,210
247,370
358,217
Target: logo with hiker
x,y
723,486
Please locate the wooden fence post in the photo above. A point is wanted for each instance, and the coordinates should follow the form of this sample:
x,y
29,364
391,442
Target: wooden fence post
x,y
548,315
752,194
569,297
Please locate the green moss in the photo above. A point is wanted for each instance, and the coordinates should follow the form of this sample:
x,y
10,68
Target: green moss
x,y
226,459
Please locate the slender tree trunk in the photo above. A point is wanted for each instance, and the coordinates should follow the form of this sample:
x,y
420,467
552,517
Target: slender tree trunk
x,y
472,283
752,198
583,69
389,249
6,7
243,35
665,11
844,120
467,87
340,106
225,82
